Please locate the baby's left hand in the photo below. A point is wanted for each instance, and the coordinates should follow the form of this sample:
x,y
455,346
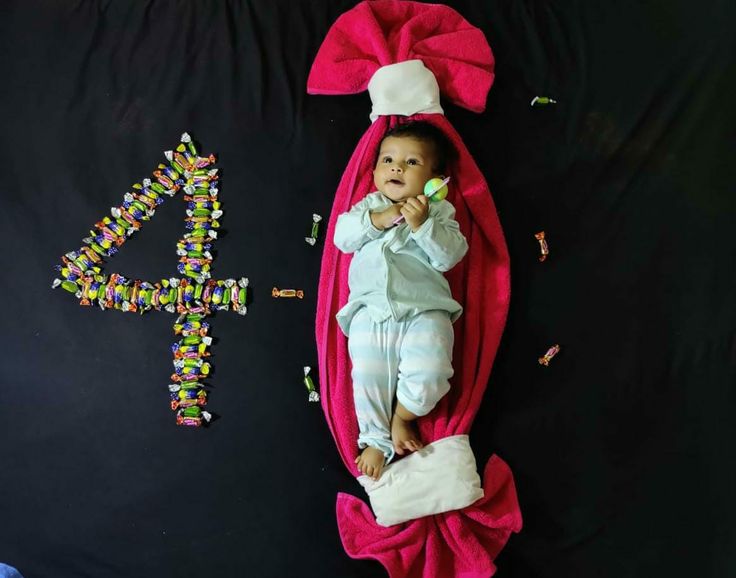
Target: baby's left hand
x,y
416,211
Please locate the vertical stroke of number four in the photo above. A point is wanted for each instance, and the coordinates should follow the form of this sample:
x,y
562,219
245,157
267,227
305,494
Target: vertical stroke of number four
x,y
194,296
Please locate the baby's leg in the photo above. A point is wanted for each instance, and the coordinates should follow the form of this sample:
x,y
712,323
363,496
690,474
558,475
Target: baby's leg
x,y
403,432
425,368
374,363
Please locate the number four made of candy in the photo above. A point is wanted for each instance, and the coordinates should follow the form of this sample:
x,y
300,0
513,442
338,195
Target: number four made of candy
x,y
193,296
434,189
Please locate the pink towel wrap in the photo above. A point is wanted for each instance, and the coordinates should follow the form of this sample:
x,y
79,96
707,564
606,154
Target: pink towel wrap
x,y
457,544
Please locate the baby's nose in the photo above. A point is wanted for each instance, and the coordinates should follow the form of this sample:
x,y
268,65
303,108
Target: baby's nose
x,y
396,169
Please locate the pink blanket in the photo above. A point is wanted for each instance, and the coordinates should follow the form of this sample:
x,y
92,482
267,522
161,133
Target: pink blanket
x,y
373,34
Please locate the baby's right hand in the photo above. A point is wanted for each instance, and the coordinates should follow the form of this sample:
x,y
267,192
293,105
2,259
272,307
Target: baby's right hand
x,y
385,219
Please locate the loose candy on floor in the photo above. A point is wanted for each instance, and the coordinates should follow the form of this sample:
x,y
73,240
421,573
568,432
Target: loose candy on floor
x,y
309,384
543,248
312,239
542,101
276,292
547,357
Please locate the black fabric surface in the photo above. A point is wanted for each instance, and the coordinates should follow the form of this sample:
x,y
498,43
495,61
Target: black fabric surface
x,y
622,449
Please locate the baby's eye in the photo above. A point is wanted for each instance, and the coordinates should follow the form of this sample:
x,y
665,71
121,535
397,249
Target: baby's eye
x,y
412,162
387,160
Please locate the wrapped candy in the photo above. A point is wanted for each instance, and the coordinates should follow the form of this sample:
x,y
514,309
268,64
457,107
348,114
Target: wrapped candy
x,y
182,295
542,101
187,394
276,292
547,357
186,139
544,249
312,239
194,296
309,383
189,365
192,416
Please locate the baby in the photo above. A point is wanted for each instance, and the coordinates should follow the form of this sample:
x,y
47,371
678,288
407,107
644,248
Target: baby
x,y
398,318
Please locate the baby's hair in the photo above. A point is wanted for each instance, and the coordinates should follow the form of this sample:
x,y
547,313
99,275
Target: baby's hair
x,y
427,132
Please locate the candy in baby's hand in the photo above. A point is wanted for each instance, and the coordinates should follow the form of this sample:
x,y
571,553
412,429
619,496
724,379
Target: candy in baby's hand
x,y
315,229
434,189
551,352
309,383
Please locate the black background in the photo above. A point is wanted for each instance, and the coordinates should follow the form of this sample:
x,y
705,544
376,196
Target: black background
x,y
622,449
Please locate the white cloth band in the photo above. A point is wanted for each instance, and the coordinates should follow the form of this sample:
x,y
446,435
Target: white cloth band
x,y
404,88
438,478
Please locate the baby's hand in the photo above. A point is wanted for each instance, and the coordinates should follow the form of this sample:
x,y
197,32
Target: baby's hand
x,y
416,211
385,219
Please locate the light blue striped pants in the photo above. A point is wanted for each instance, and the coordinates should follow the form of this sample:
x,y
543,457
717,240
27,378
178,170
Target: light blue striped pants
x,y
409,360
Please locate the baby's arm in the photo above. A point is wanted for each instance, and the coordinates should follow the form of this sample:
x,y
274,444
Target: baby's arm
x,y
354,228
440,237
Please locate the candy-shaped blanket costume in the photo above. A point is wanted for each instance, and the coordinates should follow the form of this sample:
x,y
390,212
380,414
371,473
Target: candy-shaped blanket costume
x,y
405,54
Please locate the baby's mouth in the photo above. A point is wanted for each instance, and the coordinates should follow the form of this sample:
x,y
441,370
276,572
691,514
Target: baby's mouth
x,y
394,182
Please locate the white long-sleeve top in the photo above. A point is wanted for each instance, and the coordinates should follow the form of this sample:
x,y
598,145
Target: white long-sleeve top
x,y
396,272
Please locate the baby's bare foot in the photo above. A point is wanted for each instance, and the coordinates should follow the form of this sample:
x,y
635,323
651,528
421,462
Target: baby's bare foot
x,y
404,436
370,462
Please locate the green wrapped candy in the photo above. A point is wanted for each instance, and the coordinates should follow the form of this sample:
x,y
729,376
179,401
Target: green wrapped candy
x,y
309,383
542,101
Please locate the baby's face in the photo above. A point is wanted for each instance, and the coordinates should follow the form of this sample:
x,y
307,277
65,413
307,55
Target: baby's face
x,y
404,165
